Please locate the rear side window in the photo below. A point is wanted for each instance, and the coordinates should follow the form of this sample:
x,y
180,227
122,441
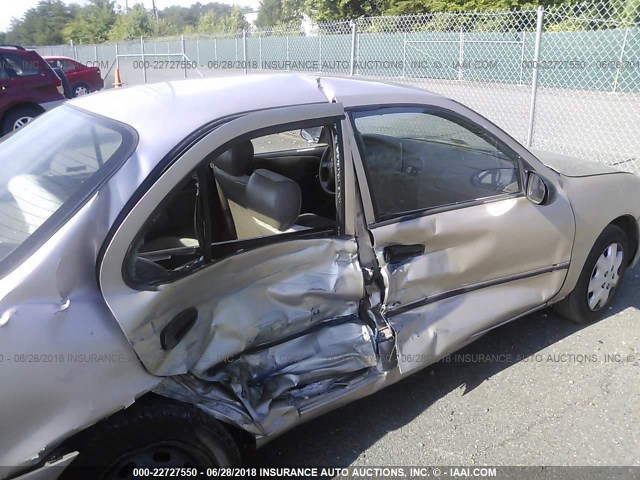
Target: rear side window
x,y
41,180
16,66
418,160
64,65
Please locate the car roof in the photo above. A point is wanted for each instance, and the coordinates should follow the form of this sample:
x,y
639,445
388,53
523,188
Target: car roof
x,y
50,57
167,112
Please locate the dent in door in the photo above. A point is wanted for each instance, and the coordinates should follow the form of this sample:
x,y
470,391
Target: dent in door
x,y
251,299
470,247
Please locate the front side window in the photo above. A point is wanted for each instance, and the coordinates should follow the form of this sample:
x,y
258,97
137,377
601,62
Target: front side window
x,y
48,163
417,159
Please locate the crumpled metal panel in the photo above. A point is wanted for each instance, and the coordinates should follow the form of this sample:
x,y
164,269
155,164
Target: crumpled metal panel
x,y
253,298
264,392
428,333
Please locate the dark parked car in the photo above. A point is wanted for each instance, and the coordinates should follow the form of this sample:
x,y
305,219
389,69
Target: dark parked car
x,y
82,78
28,87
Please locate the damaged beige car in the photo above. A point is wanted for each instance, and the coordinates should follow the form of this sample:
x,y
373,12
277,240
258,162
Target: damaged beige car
x,y
190,269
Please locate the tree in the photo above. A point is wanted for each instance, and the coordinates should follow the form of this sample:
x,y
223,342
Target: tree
x,y
3,38
42,25
234,22
280,12
214,22
328,10
136,23
92,23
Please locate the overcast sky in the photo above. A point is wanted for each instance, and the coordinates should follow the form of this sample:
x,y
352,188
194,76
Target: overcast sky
x,y
16,8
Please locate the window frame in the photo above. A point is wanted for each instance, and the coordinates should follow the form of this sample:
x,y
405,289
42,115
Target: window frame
x,y
235,247
465,122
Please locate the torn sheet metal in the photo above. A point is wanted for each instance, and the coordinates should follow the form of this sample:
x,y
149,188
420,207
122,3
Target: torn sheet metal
x,y
264,392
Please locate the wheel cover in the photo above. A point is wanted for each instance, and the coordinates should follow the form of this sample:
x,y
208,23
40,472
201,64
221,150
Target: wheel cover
x,y
21,122
163,454
81,90
605,277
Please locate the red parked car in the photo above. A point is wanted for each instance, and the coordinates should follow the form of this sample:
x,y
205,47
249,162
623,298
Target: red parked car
x,y
28,87
82,79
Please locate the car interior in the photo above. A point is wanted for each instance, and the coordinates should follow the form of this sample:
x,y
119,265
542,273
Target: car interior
x,y
245,196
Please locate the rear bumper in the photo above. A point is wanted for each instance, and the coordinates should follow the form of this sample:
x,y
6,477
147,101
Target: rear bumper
x,y
51,470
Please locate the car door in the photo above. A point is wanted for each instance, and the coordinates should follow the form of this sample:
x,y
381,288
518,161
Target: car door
x,y
280,311
459,246
6,88
27,77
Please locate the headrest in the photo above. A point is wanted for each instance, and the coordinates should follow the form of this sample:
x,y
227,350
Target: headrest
x,y
273,199
237,160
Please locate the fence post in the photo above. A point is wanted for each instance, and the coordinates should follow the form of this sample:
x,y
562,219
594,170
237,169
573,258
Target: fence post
x,y
287,54
144,66
320,49
461,53
260,50
621,59
404,53
198,51
184,56
534,81
117,57
95,53
522,58
215,49
353,46
244,50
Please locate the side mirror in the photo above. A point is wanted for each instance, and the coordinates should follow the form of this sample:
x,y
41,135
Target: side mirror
x,y
311,135
537,189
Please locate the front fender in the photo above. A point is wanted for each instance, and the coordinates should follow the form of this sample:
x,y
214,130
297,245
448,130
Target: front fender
x,y
596,201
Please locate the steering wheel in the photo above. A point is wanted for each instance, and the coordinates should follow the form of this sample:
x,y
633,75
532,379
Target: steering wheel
x,y
327,172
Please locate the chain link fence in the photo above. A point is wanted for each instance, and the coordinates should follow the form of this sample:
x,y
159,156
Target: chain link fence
x,y
563,78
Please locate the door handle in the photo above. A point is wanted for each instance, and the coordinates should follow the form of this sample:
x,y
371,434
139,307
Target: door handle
x,y
398,253
177,328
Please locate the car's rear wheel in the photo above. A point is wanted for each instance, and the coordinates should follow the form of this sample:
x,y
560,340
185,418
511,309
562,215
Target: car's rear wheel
x,y
19,117
152,435
600,278
81,89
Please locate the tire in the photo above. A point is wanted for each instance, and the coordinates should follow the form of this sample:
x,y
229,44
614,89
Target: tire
x,y
153,434
22,115
80,89
588,300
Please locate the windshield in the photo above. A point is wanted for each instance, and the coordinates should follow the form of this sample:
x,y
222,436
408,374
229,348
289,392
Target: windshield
x,y
50,164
